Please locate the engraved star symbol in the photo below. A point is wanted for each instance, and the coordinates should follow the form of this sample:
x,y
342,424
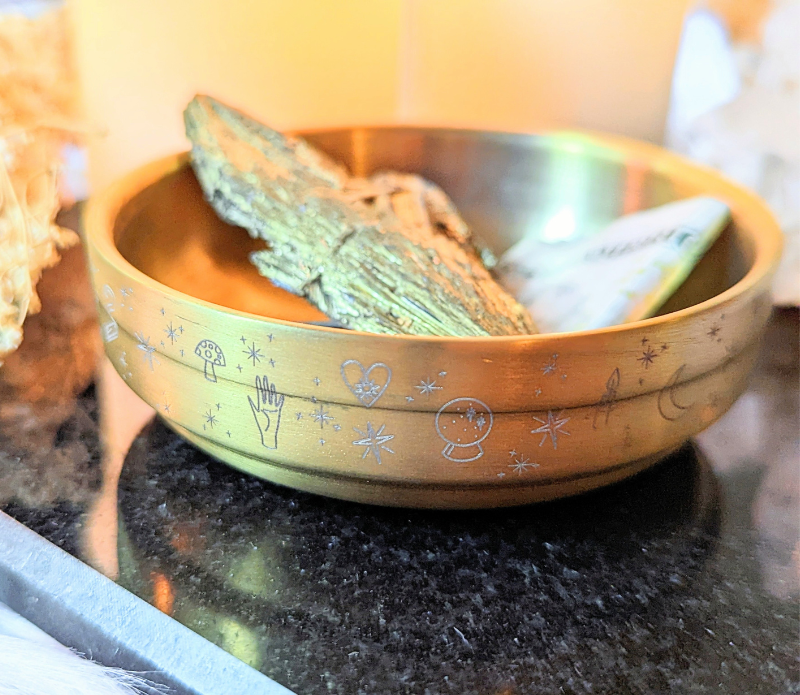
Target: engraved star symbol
x,y
299,416
228,433
181,352
211,420
647,357
552,427
336,428
321,416
374,442
513,452
218,406
522,464
172,333
442,373
253,353
551,366
664,347
239,367
645,341
427,386
166,407
270,337
712,333
271,362
316,381
409,399
244,340
146,348
162,311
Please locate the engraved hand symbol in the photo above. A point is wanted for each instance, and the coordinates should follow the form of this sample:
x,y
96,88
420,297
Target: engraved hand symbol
x,y
267,411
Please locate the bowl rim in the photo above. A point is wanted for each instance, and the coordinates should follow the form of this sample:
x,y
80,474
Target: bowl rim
x,y
102,211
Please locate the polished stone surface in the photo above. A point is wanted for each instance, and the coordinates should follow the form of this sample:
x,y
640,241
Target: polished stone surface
x,y
684,579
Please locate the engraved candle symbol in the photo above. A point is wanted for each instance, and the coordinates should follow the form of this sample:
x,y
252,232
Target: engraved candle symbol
x,y
212,354
464,427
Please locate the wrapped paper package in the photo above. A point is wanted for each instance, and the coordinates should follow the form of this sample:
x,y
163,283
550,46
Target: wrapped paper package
x,y
622,273
388,254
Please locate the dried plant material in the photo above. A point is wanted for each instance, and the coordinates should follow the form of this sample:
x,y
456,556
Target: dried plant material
x,y
388,254
37,107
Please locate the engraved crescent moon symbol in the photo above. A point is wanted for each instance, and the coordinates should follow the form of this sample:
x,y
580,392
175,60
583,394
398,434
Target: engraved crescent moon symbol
x,y
668,407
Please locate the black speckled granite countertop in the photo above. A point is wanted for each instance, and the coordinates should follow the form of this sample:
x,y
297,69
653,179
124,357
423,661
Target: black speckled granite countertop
x,y
684,579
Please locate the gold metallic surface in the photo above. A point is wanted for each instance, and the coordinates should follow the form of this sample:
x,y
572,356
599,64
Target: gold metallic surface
x,y
429,421
388,254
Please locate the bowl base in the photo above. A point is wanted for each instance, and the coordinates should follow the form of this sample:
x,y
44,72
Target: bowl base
x,y
420,495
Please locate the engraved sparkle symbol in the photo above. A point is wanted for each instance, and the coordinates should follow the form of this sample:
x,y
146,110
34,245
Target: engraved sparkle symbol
x,y
253,353
427,386
522,464
321,416
211,419
146,348
172,333
373,441
551,366
552,427
712,333
647,357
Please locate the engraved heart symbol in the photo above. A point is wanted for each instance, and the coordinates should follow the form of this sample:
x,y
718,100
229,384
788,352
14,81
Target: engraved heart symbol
x,y
367,385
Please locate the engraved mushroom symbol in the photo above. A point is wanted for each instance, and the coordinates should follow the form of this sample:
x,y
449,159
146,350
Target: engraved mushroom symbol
x,y
209,351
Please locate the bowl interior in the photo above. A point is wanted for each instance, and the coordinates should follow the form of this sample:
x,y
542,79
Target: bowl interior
x,y
555,186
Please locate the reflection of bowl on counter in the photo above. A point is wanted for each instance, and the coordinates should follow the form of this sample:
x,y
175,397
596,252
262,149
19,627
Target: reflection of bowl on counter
x,y
294,585
427,421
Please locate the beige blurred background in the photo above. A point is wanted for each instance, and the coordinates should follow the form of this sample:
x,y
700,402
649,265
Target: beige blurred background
x,y
517,65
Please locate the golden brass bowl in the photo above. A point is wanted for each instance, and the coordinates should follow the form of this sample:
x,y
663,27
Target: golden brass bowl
x,y
238,367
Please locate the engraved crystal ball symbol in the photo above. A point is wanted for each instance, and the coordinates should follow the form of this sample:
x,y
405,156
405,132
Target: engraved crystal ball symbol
x,y
211,353
464,423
